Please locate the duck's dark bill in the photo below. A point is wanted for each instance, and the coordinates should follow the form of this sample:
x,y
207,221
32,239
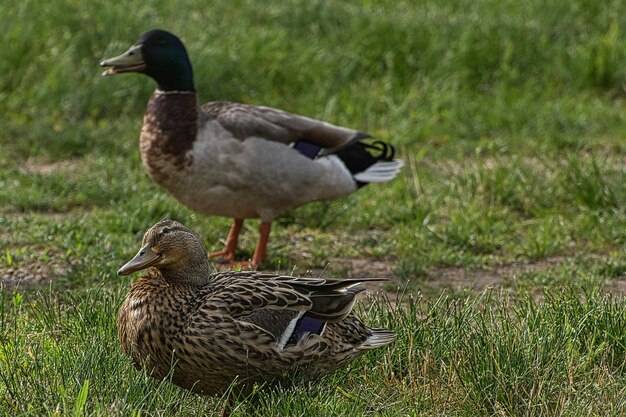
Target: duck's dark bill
x,y
144,259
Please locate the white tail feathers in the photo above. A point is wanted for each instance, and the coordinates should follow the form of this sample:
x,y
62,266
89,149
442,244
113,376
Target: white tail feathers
x,y
380,172
380,337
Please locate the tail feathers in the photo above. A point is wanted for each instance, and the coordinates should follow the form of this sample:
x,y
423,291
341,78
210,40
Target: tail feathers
x,y
370,162
380,337
380,172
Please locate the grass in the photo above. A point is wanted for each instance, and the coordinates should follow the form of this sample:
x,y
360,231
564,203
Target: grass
x,y
485,354
506,230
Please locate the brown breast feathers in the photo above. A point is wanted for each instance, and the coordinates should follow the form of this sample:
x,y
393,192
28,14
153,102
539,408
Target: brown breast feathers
x,y
168,132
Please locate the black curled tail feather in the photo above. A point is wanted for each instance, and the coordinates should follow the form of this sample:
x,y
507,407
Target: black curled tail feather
x,y
359,156
387,151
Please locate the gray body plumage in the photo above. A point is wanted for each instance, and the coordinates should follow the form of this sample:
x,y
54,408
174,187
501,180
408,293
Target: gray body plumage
x,y
240,162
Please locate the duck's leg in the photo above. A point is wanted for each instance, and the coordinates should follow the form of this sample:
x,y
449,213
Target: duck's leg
x,y
228,253
261,247
259,251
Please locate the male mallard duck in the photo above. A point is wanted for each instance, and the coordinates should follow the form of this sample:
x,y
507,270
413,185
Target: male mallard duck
x,y
213,328
239,160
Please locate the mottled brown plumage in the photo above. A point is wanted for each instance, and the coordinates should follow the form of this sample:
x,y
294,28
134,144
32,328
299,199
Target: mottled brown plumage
x,y
208,329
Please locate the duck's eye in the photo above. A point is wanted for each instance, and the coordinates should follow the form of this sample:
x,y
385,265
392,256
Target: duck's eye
x,y
165,230
161,44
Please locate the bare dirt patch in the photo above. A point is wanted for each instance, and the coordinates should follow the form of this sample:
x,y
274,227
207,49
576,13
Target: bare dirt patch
x,y
455,278
31,274
25,275
477,279
367,268
41,265
617,287
32,166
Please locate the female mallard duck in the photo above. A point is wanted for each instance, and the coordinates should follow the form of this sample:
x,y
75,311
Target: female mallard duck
x,y
206,329
239,160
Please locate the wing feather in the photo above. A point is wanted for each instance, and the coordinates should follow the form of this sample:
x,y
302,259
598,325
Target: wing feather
x,y
244,293
244,121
